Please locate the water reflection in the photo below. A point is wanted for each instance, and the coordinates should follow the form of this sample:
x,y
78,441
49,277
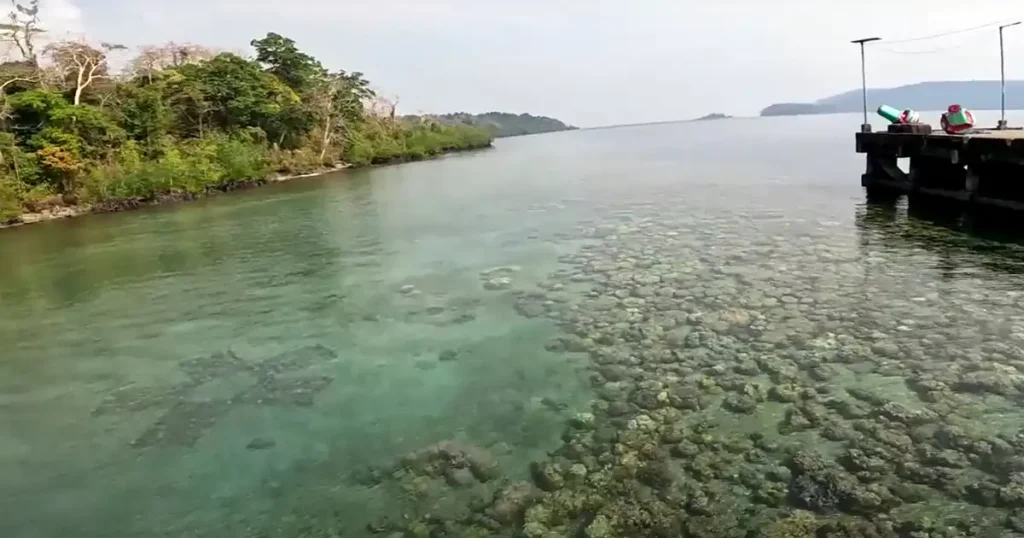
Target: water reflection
x,y
960,240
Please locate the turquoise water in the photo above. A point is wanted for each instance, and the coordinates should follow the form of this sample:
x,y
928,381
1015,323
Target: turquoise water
x,y
285,361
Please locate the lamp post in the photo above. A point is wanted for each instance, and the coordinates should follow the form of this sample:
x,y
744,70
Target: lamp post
x,y
865,127
1002,76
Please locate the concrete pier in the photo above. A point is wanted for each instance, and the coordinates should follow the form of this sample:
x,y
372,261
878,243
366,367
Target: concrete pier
x,y
983,167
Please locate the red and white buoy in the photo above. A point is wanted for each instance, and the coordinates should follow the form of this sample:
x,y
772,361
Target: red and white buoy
x,y
956,120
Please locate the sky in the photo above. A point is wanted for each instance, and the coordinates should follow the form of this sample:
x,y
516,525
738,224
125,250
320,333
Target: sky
x,y
587,62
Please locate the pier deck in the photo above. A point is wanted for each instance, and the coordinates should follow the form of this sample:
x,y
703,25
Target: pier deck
x,y
982,167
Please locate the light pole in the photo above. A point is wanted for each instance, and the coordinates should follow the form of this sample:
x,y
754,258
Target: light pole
x,y
1002,76
865,127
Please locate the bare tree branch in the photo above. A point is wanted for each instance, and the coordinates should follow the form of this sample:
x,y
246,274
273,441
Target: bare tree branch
x,y
155,58
8,81
79,64
22,28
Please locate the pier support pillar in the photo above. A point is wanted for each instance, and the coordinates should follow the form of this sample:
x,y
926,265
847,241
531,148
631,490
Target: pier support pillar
x,y
883,175
971,183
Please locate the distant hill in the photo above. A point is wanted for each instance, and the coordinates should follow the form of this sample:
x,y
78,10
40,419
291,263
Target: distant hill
x,y
797,109
713,116
976,94
504,124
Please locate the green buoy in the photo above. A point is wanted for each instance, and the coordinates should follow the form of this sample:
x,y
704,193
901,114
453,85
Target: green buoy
x,y
889,113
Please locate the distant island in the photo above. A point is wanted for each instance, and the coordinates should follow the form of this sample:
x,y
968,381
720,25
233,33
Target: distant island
x,y
504,124
976,94
797,109
713,116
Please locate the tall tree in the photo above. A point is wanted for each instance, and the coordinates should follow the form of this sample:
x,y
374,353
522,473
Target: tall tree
x,y
240,94
338,101
153,59
80,64
144,110
149,62
21,29
285,61
190,105
188,53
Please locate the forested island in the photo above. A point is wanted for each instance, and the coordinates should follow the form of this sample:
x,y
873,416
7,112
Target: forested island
x,y
797,109
504,124
183,120
713,116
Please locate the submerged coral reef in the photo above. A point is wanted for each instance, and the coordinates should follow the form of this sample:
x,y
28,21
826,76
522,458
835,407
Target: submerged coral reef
x,y
756,385
215,384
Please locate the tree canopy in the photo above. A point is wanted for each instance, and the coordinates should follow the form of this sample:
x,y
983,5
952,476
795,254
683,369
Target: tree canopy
x,y
180,119
504,124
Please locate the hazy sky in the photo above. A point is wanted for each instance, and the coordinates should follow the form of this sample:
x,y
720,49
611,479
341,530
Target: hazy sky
x,y
588,62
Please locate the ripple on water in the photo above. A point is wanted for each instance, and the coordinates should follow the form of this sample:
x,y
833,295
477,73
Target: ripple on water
x,y
686,364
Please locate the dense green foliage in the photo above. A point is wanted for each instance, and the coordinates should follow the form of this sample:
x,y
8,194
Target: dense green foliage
x,y
504,124
184,120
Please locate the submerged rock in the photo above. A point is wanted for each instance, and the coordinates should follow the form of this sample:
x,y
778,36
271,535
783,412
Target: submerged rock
x,y
261,443
719,346
799,525
740,403
600,527
460,477
510,503
502,283
785,393
462,319
546,476
584,420
502,270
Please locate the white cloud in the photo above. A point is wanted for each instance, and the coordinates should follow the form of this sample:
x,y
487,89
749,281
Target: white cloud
x,y
61,17
585,61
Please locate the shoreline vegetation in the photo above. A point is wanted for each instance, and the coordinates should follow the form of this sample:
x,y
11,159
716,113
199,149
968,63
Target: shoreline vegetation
x,y
183,121
506,125
57,210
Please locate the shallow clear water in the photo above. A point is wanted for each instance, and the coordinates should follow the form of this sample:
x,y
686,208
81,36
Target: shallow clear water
x,y
285,361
